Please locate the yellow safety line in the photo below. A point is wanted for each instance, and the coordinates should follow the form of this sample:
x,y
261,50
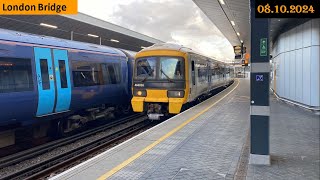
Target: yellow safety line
x,y
146,149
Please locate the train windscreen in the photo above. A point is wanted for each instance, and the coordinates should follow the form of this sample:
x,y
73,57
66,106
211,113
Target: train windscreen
x,y
161,68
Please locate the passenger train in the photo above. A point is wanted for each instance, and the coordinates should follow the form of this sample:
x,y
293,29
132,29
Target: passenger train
x,y
50,84
168,77
46,82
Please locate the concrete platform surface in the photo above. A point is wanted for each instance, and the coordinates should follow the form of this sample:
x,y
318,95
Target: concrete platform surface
x,y
294,144
211,141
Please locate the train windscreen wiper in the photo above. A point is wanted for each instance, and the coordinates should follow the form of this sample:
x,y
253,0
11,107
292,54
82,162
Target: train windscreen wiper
x,y
166,75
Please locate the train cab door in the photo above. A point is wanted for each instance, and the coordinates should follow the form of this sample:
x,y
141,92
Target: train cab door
x,y
193,80
53,81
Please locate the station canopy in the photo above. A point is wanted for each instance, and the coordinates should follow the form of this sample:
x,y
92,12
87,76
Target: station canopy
x,y
232,18
80,27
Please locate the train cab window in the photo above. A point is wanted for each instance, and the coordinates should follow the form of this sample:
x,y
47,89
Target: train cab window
x,y
146,68
44,74
63,74
15,75
86,74
171,68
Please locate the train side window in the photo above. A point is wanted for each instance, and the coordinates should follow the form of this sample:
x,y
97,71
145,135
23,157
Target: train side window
x,y
86,74
114,72
202,74
15,75
63,74
44,74
105,74
111,73
117,68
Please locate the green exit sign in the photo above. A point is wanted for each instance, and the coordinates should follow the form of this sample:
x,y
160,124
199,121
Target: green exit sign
x,y
263,47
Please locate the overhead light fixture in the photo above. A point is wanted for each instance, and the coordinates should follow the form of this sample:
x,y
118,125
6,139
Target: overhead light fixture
x,y
279,20
48,25
238,33
241,41
232,22
92,35
221,2
271,30
114,40
143,47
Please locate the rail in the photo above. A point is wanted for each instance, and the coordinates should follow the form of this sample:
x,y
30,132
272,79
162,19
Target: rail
x,y
55,162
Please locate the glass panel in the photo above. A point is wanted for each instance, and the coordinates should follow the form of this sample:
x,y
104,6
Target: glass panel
x,y
111,73
171,67
86,74
63,74
192,65
105,74
193,73
15,75
146,68
202,74
44,74
117,73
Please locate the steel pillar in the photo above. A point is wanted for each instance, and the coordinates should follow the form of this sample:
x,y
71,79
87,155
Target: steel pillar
x,y
259,81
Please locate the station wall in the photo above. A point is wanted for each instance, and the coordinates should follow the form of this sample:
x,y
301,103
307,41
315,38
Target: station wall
x,y
296,64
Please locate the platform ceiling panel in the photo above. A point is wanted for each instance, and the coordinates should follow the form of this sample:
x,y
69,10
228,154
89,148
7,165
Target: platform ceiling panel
x,y
222,15
239,11
81,25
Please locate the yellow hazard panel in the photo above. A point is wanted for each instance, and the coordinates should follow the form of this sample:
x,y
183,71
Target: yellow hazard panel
x,y
156,96
137,104
175,105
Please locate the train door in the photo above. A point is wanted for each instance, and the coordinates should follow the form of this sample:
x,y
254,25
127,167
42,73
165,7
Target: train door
x,y
63,84
209,75
53,81
193,80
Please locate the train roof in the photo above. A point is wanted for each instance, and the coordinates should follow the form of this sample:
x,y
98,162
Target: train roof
x,y
16,36
128,52
176,47
168,46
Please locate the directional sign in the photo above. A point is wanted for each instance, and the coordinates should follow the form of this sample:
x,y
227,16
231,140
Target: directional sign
x,y
259,77
237,52
263,47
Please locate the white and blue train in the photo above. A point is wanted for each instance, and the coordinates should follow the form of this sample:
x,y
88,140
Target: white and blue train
x,y
47,82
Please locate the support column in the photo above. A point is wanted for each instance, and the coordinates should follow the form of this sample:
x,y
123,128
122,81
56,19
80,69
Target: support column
x,y
259,80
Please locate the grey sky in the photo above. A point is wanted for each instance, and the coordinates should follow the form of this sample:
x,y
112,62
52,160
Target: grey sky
x,y
177,21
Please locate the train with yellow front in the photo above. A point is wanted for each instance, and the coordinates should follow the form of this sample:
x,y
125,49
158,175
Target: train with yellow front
x,y
167,77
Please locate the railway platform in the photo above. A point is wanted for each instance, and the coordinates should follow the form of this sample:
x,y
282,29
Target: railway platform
x,y
211,141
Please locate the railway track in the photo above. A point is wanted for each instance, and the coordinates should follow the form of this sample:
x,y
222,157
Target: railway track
x,y
53,164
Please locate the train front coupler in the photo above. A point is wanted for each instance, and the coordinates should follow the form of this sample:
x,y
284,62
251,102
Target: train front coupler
x,y
155,111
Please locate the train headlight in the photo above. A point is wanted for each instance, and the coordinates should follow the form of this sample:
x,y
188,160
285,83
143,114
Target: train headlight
x,y
175,94
140,93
